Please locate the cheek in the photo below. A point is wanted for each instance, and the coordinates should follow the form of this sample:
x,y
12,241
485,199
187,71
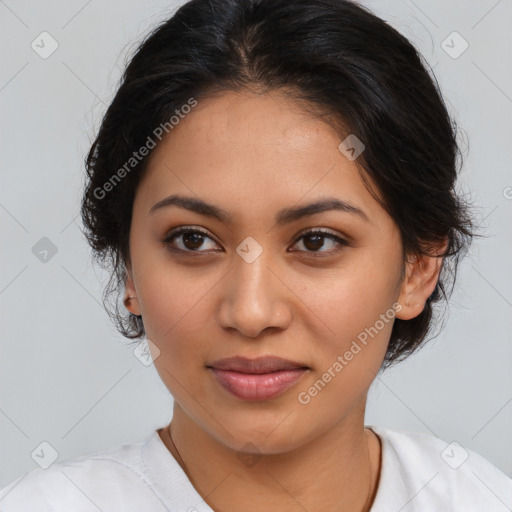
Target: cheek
x,y
356,303
175,321
354,298
359,311
172,300
176,311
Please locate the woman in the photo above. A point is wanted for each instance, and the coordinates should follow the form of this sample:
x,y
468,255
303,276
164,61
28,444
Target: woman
x,y
273,185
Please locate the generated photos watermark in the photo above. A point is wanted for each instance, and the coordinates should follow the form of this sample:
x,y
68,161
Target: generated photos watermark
x,y
304,397
143,151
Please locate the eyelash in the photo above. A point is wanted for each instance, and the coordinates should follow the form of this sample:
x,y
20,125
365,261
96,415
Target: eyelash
x,y
179,231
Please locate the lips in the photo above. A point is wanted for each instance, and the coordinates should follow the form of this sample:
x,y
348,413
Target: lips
x,y
257,379
260,365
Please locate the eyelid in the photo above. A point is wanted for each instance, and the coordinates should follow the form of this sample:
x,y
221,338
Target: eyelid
x,y
325,231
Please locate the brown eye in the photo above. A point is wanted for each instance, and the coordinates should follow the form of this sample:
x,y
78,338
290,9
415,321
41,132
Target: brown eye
x,y
191,240
314,240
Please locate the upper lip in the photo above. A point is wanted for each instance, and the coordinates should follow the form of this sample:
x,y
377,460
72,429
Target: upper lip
x,y
258,365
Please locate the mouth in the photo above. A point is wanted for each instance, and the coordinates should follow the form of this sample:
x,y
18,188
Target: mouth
x,y
257,379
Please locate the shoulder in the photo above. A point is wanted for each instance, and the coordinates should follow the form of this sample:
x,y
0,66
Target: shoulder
x,y
112,479
438,473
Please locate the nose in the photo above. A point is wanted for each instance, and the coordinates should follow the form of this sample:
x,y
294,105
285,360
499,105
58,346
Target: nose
x,y
255,297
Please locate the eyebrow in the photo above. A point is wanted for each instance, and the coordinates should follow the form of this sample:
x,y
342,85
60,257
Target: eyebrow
x,y
284,216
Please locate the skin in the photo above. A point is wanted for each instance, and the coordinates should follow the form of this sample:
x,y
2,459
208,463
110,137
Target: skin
x,y
253,155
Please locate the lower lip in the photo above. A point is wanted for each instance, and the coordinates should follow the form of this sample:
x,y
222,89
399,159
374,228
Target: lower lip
x,y
257,386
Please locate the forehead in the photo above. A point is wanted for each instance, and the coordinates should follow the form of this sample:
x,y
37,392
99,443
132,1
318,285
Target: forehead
x,y
251,153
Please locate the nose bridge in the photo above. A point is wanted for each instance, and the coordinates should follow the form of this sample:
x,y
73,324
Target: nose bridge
x,y
253,300
251,272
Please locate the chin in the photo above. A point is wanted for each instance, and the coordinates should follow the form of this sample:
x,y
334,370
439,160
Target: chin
x,y
261,437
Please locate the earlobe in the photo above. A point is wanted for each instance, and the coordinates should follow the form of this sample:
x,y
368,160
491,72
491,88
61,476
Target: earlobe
x,y
421,277
130,296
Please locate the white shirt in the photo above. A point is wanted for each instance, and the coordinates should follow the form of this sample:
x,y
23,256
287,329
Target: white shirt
x,y
419,472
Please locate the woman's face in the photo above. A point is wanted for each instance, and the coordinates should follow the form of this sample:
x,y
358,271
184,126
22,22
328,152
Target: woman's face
x,y
251,285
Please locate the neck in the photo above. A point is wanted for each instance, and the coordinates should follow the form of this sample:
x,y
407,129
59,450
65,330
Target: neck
x,y
337,471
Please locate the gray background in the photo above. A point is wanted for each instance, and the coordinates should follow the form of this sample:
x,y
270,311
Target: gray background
x,y
68,378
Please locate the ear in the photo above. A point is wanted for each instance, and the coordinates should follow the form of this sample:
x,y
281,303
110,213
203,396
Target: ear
x,y
421,277
130,295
